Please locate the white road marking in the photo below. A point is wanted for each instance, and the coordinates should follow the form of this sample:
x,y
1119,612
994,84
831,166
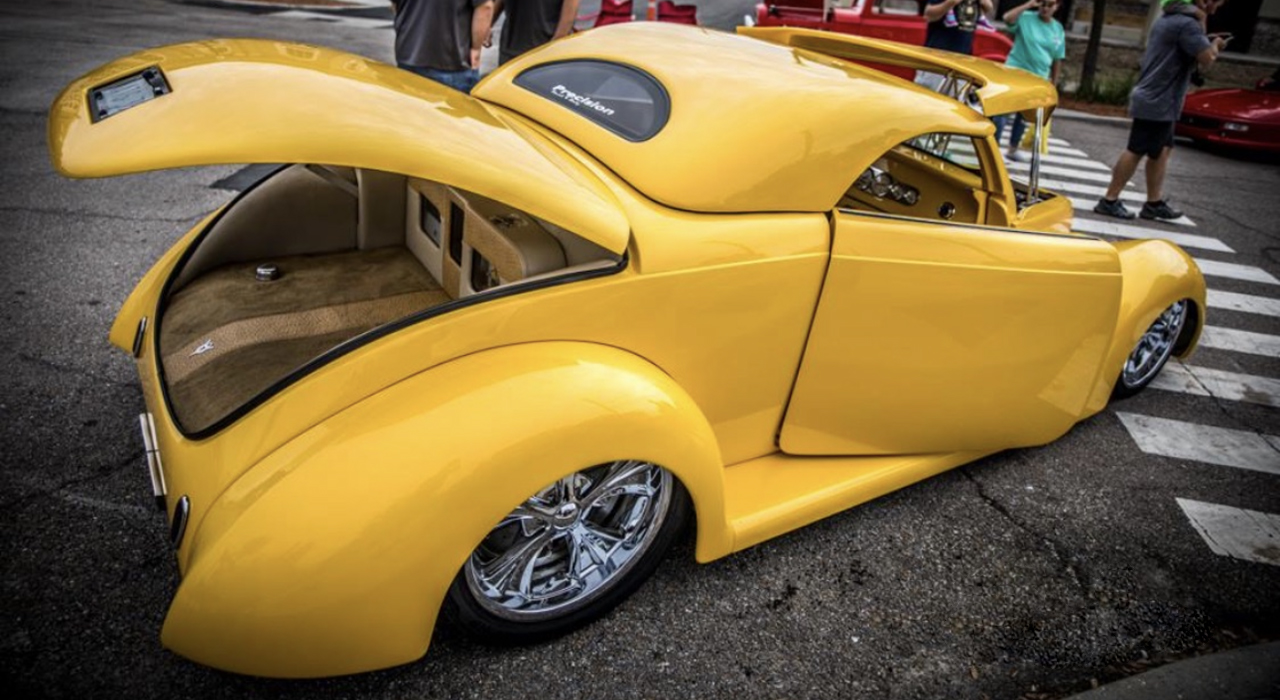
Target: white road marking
x,y
1240,341
1086,163
1203,381
1201,443
1119,230
1134,203
1055,155
1072,172
1244,302
363,22
1064,187
1235,271
1235,532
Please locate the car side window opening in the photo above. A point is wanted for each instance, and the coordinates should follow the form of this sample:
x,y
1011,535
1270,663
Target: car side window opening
x,y
932,176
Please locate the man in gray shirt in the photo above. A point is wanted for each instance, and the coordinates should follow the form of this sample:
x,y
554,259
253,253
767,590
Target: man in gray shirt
x,y
1177,45
441,39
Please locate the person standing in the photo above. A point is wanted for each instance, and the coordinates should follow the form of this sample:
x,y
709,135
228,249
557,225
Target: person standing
x,y
1039,45
950,27
441,39
1177,45
952,23
532,23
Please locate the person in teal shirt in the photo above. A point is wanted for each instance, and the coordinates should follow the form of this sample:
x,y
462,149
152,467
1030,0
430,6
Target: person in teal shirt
x,y
1039,45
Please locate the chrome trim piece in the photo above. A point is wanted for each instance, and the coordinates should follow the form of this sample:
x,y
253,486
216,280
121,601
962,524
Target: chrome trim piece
x,y
154,466
1033,180
138,335
178,528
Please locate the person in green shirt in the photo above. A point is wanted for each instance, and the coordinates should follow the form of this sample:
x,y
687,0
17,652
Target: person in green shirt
x,y
1039,45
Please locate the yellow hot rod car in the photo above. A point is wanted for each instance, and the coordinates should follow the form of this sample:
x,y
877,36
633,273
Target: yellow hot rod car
x,y
488,354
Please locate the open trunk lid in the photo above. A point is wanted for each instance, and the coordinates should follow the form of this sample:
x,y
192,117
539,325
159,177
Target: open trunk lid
x,y
256,101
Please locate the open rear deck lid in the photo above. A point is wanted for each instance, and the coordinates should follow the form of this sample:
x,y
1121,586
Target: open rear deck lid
x,y
256,101
1000,89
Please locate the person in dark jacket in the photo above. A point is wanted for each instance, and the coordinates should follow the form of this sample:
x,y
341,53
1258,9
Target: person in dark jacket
x,y
532,23
441,39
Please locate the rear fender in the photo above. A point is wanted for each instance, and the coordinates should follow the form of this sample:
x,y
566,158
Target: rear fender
x,y
1156,274
334,554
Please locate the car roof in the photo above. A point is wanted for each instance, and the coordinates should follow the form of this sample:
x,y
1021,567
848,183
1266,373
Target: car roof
x,y
753,126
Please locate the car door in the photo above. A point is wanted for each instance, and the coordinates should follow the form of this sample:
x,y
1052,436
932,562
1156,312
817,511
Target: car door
x,y
934,336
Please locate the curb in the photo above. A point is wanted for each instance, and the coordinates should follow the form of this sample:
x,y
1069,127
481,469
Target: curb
x,y
1075,115
1247,673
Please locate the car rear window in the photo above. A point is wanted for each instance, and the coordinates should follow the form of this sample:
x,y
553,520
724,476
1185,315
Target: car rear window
x,y
625,100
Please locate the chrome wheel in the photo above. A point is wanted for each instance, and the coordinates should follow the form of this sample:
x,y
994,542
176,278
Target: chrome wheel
x,y
571,542
1154,347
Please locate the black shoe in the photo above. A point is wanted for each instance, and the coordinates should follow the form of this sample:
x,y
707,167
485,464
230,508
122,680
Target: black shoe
x,y
1114,207
1159,210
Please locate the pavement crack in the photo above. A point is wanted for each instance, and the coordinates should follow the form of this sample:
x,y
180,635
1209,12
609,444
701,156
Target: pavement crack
x,y
100,215
74,371
1238,222
1070,564
41,491
1224,405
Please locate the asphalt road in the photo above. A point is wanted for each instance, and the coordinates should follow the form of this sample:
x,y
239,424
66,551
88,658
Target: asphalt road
x,y
1034,572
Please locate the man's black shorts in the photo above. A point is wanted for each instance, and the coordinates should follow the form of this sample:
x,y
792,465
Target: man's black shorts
x,y
1148,138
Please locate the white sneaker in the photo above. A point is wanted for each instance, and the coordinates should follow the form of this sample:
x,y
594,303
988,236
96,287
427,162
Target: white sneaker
x,y
1017,156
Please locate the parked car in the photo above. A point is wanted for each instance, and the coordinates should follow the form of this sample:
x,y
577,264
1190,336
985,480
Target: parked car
x,y
881,19
616,11
489,354
1233,117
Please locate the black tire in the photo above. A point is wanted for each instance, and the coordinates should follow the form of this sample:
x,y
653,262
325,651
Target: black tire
x,y
1168,334
491,619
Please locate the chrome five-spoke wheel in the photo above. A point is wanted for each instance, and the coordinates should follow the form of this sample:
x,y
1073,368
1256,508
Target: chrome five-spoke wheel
x,y
1153,350
570,552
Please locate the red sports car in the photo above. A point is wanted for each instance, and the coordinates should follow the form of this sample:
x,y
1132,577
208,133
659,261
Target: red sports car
x,y
873,18
1246,119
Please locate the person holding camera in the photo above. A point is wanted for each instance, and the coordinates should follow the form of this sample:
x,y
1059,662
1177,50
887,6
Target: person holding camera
x,y
1039,45
1177,45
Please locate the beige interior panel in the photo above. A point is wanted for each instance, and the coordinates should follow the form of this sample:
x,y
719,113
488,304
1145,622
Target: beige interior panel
x,y
295,212
382,209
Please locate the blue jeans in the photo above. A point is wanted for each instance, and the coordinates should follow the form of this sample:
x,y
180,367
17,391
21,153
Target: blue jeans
x,y
461,80
1019,128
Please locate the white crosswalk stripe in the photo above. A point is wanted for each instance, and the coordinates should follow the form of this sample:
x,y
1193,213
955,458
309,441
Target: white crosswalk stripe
x,y
1247,303
1236,271
1240,341
1235,532
1086,163
1201,443
1119,230
1203,381
1072,172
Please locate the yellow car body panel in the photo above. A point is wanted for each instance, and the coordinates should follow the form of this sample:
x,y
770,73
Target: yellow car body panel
x,y
1000,88
778,355
776,282
304,104
338,519
1006,329
1156,274
787,156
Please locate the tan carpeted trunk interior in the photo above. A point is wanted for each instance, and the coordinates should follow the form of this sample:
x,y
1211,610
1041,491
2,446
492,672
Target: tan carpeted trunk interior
x,y
226,337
